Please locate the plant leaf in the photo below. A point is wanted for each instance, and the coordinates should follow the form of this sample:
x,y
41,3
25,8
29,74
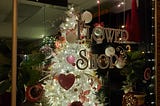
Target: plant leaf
x,y
136,55
4,85
20,92
4,71
30,76
33,60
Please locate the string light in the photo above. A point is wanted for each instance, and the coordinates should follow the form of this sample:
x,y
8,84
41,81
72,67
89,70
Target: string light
x,y
123,26
86,83
124,9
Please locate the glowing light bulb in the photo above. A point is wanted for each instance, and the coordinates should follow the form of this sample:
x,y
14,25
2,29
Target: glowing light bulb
x,y
72,8
122,3
98,1
67,19
42,35
118,5
66,25
123,26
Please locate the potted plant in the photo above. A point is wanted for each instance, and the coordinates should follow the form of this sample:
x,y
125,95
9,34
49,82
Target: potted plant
x,y
134,72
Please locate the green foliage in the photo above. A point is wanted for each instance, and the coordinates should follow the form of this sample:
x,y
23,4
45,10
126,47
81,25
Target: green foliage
x,y
101,95
5,67
4,85
30,68
28,71
133,69
4,71
33,60
21,91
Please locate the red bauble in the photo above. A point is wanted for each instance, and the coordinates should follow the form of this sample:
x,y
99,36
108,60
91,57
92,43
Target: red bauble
x,y
34,93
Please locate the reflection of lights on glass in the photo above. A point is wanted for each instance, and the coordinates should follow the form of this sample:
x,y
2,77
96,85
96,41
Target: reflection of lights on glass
x,y
25,57
123,26
148,51
152,102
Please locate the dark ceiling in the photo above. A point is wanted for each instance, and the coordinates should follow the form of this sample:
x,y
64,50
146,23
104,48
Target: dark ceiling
x,y
53,2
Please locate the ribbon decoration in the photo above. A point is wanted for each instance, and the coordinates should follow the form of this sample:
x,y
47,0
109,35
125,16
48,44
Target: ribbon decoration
x,y
99,10
99,16
99,24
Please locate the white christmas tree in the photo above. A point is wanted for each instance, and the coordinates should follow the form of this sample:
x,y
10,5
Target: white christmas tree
x,y
70,81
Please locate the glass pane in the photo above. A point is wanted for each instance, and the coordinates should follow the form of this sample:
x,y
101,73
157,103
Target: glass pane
x,y
5,50
80,53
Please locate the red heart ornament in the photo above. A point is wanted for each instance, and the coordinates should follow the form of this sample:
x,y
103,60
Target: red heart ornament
x,y
76,103
66,81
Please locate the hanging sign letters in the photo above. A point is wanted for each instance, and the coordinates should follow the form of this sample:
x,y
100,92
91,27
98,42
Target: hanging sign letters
x,y
109,34
109,59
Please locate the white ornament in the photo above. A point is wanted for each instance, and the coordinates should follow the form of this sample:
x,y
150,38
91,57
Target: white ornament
x,y
71,36
109,51
87,17
98,31
120,64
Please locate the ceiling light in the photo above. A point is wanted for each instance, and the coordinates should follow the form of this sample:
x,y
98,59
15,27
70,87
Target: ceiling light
x,y
98,1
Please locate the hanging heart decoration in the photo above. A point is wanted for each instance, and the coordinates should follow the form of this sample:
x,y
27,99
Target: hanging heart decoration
x,y
66,81
76,103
